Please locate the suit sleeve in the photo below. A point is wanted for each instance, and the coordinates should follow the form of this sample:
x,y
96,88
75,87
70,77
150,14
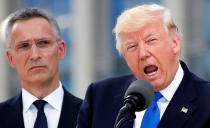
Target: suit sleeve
x,y
85,115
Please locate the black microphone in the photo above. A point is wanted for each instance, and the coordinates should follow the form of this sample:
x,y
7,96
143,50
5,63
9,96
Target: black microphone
x,y
137,97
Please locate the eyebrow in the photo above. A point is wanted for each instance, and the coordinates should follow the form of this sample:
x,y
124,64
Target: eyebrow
x,y
28,40
150,34
128,42
22,41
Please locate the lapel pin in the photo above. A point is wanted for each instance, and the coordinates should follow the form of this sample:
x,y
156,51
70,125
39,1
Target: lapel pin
x,y
184,110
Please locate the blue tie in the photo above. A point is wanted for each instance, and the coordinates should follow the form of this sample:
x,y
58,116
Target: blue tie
x,y
41,120
152,115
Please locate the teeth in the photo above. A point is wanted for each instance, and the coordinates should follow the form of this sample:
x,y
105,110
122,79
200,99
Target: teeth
x,y
151,73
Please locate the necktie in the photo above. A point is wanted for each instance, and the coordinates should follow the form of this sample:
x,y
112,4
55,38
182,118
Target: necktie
x,y
41,120
152,115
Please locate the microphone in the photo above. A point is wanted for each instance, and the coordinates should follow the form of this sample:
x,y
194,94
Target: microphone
x,y
137,97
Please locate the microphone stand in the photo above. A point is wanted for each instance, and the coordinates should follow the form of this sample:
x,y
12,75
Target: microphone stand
x,y
123,120
122,111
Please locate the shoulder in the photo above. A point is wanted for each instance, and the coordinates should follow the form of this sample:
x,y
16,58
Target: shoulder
x,y
9,102
9,106
199,83
113,82
109,87
4,105
201,86
194,79
100,99
71,98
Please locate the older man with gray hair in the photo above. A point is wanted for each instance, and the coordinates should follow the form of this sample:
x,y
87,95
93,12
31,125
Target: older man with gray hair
x,y
34,50
149,41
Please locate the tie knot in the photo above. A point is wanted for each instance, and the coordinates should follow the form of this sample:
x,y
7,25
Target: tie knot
x,y
39,104
158,95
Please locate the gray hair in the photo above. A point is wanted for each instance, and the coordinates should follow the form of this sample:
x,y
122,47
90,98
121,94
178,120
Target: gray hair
x,y
28,13
133,19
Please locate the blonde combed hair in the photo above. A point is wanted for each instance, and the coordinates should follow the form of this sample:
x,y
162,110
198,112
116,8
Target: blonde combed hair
x,y
133,19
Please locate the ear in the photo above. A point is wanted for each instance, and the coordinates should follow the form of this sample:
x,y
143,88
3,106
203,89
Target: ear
x,y
10,58
176,44
62,49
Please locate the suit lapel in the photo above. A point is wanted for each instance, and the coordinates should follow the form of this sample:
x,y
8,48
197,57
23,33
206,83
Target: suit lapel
x,y
15,109
118,102
68,112
182,105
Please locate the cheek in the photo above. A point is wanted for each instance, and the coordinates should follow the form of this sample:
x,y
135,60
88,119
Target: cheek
x,y
163,52
20,62
52,58
20,66
132,61
52,55
166,61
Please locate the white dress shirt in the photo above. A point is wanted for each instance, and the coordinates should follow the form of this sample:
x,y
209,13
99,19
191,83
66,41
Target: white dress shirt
x,y
164,101
52,109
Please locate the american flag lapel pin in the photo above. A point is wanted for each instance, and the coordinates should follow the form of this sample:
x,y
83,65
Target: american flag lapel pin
x,y
184,110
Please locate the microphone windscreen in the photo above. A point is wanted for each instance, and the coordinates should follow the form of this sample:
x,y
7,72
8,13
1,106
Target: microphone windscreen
x,y
143,90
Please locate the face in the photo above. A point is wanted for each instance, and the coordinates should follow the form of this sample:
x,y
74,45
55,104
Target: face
x,y
34,50
152,54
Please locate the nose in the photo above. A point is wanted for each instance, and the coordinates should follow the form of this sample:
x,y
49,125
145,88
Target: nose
x,y
143,51
34,52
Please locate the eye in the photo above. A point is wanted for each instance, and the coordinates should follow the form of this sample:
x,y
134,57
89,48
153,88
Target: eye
x,y
152,40
131,47
22,46
43,43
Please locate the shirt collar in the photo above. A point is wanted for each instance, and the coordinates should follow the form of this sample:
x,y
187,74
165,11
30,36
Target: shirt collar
x,y
55,99
28,99
171,89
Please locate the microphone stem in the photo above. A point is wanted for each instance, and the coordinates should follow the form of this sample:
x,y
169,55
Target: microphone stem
x,y
122,111
123,120
116,121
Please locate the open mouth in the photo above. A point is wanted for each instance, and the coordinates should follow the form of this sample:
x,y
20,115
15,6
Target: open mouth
x,y
150,70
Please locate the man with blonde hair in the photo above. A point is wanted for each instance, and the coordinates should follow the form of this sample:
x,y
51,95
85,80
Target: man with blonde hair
x,y
149,41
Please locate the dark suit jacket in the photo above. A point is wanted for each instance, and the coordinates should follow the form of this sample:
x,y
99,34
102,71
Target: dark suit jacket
x,y
104,99
11,115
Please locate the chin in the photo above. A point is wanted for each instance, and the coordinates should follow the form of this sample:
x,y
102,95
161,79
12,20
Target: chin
x,y
39,78
156,86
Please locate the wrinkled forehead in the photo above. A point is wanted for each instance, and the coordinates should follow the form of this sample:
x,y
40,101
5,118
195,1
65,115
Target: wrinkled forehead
x,y
143,27
33,21
131,21
31,29
146,29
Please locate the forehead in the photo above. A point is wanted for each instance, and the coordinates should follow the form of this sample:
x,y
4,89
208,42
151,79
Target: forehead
x,y
32,28
150,28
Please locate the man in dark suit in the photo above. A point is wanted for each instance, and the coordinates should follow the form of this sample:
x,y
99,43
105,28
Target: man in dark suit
x,y
149,41
34,49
